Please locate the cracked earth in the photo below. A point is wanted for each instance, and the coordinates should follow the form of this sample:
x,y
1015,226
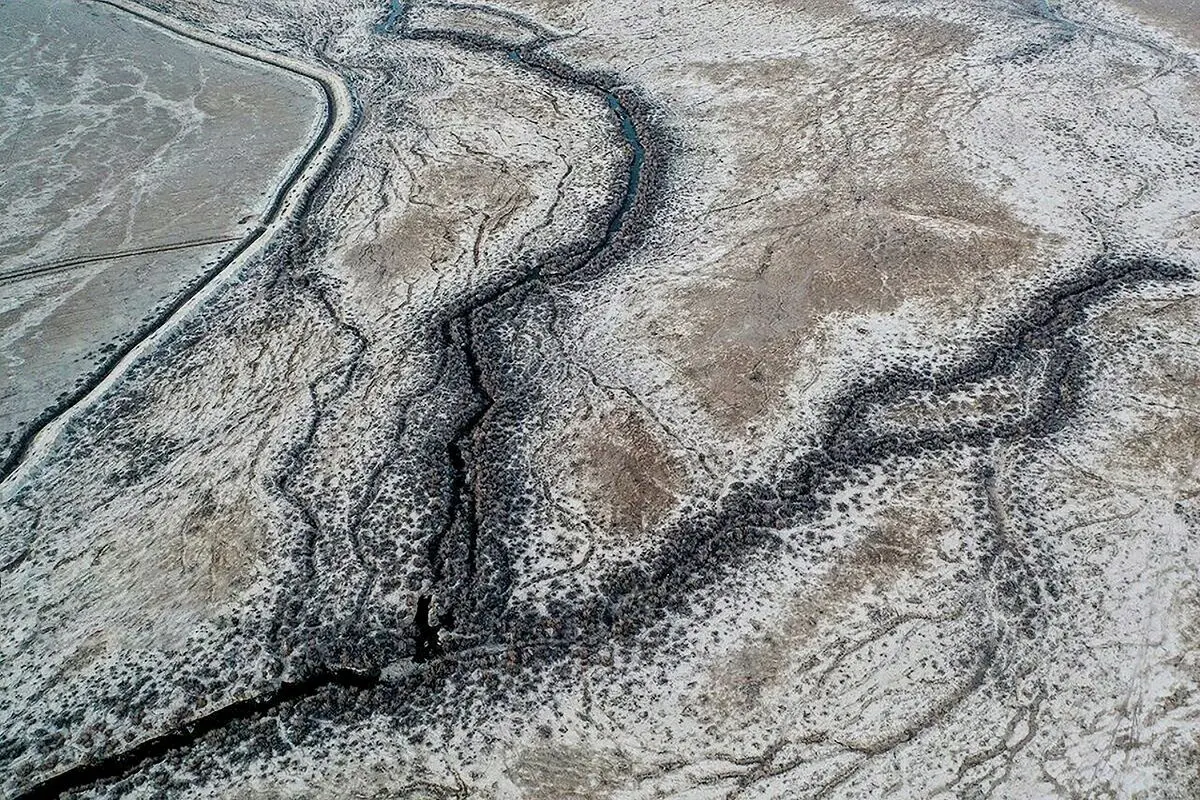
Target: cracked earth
x,y
602,400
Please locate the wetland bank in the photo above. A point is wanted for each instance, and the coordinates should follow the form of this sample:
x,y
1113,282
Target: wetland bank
x,y
714,400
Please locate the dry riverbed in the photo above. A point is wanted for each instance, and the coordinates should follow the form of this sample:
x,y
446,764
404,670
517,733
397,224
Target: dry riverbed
x,y
705,400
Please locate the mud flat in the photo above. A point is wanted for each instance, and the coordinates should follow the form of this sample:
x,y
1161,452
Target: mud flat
x,y
136,160
708,400
1178,17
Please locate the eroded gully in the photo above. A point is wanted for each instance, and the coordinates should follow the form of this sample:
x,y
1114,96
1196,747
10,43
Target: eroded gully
x,y
707,541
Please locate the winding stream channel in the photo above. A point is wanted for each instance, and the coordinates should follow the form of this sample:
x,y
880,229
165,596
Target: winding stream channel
x,y
1038,340
588,257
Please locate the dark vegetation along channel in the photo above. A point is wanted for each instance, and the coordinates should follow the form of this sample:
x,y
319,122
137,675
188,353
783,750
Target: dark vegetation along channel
x,y
470,568
615,227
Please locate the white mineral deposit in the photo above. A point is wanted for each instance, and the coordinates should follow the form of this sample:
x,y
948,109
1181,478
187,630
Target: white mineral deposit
x,y
563,399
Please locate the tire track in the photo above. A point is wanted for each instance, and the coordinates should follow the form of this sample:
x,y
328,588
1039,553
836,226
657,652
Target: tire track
x,y
36,270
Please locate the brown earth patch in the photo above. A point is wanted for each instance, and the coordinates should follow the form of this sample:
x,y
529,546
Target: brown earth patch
x,y
871,218
175,579
900,544
553,772
1153,408
1180,17
1164,447
1160,443
864,250
452,209
927,34
219,546
627,479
